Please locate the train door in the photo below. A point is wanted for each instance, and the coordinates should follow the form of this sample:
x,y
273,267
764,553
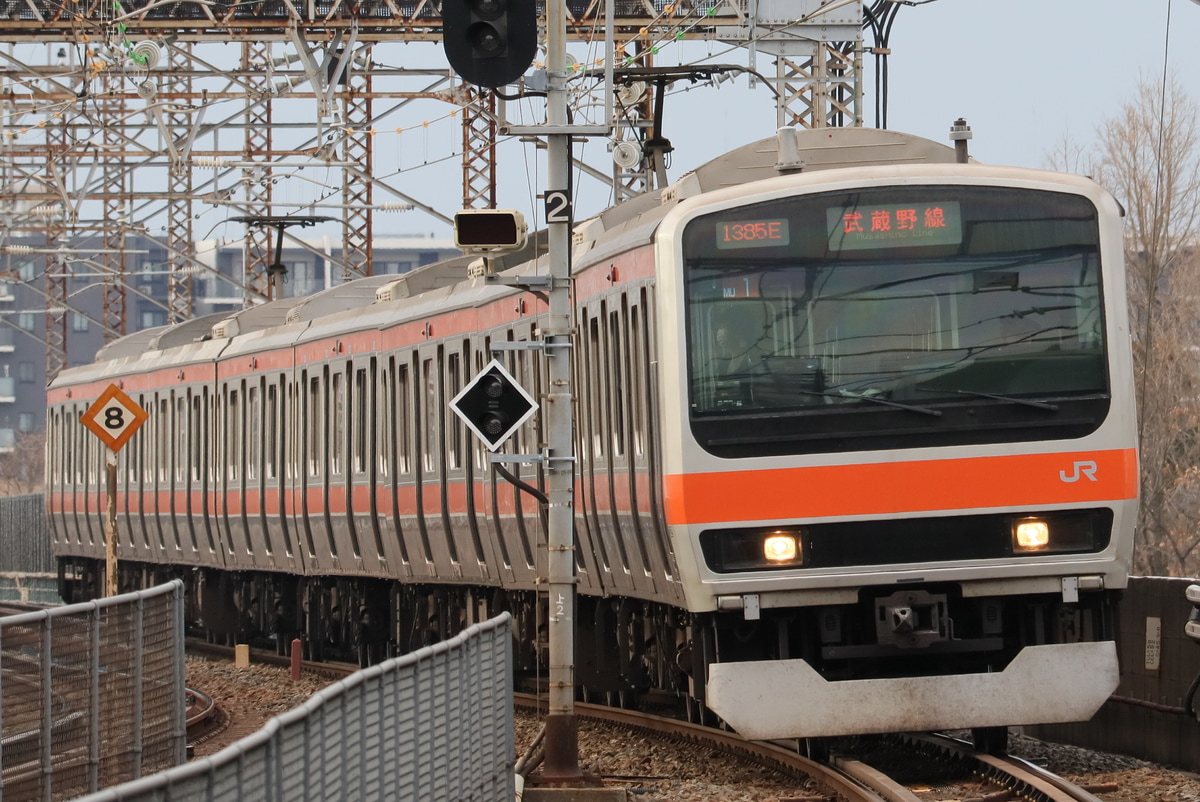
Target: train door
x,y
181,524
233,473
214,473
481,491
365,433
160,501
95,495
412,538
389,406
608,547
457,505
339,512
624,491
276,527
169,471
442,550
137,487
258,533
281,407
517,515
648,461
313,508
201,500
292,428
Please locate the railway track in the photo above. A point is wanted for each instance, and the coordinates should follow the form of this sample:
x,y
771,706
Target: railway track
x,y
849,775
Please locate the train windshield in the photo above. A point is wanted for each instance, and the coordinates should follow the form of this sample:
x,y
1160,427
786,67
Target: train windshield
x,y
913,302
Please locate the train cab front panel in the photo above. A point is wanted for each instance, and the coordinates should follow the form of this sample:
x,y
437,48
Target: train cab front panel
x,y
899,445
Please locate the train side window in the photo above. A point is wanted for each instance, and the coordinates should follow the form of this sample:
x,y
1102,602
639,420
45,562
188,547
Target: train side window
x,y
639,394
337,424
316,426
361,421
233,434
403,418
596,388
253,433
454,427
385,422
479,451
68,450
141,467
291,444
76,452
618,366
181,440
195,427
429,440
165,440
271,439
92,448
56,435
527,377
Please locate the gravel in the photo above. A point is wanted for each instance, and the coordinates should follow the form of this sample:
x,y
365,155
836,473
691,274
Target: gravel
x,y
654,770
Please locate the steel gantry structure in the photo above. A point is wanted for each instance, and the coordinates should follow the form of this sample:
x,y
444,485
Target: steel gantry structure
x,y
124,118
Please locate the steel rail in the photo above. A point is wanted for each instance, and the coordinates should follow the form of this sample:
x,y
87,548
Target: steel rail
x,y
1029,781
761,752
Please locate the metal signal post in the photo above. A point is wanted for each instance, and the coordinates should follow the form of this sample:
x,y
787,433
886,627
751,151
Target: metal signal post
x,y
562,728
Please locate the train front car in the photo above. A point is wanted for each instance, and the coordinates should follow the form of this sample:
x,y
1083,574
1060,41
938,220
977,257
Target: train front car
x,y
900,461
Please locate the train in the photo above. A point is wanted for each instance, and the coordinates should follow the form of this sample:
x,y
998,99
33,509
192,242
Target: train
x,y
855,449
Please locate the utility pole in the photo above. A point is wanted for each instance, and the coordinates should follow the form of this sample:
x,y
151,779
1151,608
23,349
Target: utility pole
x,y
562,726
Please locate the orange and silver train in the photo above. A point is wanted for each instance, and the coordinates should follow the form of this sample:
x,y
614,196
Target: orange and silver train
x,y
855,449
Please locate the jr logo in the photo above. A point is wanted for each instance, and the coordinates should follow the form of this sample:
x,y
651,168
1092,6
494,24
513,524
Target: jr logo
x,y
1085,468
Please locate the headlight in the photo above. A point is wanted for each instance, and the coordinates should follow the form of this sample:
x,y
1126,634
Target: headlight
x,y
780,547
730,550
1052,534
1031,535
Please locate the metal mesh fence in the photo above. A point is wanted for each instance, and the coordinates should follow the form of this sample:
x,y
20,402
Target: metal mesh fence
x,y
25,535
436,724
91,695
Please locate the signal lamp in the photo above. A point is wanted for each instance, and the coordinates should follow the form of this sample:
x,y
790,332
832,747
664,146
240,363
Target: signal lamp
x,y
489,42
489,229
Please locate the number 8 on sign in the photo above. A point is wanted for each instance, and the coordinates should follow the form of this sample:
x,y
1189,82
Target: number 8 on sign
x,y
114,417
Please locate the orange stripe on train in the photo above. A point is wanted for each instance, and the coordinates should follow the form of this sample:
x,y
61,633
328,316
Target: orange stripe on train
x,y
897,487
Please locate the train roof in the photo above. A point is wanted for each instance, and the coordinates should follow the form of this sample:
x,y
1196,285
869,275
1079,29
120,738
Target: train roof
x,y
789,151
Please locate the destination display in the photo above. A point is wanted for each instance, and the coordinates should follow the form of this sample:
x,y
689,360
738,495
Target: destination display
x,y
752,234
854,228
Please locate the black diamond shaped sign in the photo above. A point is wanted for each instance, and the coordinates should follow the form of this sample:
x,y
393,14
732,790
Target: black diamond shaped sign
x,y
493,405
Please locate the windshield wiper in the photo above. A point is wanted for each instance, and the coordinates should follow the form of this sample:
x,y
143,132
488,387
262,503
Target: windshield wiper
x,y
1029,402
846,394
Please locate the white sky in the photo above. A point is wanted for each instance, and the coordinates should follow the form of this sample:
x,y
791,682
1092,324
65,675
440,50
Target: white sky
x,y
1024,74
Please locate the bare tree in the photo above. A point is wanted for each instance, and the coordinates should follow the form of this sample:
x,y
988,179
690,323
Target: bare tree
x,y
1148,159
22,470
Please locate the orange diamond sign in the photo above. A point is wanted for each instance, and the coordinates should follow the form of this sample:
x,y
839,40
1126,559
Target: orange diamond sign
x,y
114,417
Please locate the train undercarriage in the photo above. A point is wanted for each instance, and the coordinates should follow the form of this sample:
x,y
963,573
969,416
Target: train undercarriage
x,y
628,652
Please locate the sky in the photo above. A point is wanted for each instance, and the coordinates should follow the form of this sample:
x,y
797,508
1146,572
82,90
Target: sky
x,y
1025,74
